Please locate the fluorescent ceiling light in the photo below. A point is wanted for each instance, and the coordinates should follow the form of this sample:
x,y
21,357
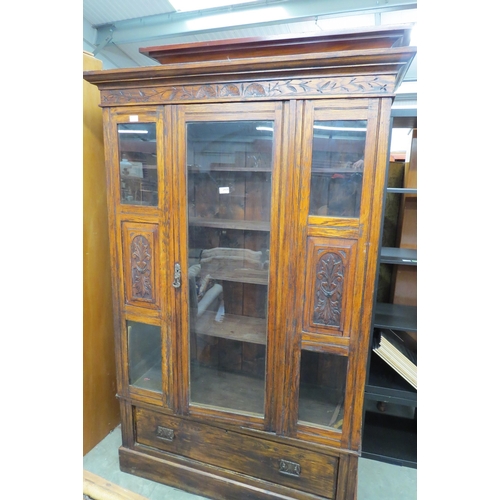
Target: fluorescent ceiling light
x,y
127,131
345,22
400,16
190,5
234,18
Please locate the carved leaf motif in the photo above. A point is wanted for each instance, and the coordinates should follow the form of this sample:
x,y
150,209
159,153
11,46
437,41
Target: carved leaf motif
x,y
328,290
229,90
324,87
206,91
255,89
141,267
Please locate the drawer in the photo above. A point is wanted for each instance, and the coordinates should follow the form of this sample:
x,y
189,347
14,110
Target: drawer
x,y
279,463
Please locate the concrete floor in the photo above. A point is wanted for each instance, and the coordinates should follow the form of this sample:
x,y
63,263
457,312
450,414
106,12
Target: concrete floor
x,y
376,480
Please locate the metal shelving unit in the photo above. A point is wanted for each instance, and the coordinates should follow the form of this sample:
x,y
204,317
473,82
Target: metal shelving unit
x,y
388,436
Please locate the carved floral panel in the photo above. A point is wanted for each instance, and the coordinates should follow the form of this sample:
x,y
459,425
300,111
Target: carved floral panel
x,y
330,270
139,264
329,285
141,268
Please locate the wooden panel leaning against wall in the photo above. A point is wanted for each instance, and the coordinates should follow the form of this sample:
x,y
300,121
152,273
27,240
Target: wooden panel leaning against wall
x,y
101,413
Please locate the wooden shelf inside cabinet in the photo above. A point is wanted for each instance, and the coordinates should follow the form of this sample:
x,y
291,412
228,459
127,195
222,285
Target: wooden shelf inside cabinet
x,y
331,171
228,168
245,225
236,264
233,327
401,256
396,317
242,275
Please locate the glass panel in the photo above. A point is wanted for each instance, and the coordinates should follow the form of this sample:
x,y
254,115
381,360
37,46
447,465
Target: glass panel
x,y
138,164
337,168
322,389
144,356
229,197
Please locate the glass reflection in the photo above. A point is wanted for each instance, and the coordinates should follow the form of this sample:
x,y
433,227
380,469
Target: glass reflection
x,y
229,197
138,163
337,168
322,389
144,351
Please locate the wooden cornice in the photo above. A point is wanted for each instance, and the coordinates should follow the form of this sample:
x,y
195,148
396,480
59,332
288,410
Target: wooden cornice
x,y
281,45
304,59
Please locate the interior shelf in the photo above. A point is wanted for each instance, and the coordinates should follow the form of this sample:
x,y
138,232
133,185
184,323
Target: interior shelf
x,y
402,190
227,167
391,439
390,430
395,317
385,384
330,171
404,256
232,327
215,389
246,225
150,380
252,276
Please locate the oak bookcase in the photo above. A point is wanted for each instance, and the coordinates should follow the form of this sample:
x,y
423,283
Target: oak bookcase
x,y
245,186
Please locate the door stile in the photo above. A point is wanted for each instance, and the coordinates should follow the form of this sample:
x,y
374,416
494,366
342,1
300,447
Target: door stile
x,y
287,364
111,157
167,249
180,308
277,290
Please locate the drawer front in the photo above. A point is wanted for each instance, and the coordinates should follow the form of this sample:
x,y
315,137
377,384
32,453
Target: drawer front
x,y
279,463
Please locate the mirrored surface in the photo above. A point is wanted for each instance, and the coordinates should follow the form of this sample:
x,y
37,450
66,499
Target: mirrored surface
x,y
337,168
322,389
229,202
138,163
144,351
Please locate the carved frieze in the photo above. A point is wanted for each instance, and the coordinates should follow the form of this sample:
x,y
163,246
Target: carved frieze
x,y
295,87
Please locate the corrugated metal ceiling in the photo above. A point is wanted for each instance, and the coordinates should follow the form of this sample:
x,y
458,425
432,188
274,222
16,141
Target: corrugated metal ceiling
x,y
99,12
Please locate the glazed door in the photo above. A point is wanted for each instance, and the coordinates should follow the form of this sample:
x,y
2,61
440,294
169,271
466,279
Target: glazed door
x,y
340,173
139,216
227,258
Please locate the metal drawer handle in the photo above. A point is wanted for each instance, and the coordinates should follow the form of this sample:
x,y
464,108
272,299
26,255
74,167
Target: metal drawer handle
x,y
164,433
289,468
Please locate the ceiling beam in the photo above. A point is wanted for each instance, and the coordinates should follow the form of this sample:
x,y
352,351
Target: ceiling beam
x,y
163,26
104,37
